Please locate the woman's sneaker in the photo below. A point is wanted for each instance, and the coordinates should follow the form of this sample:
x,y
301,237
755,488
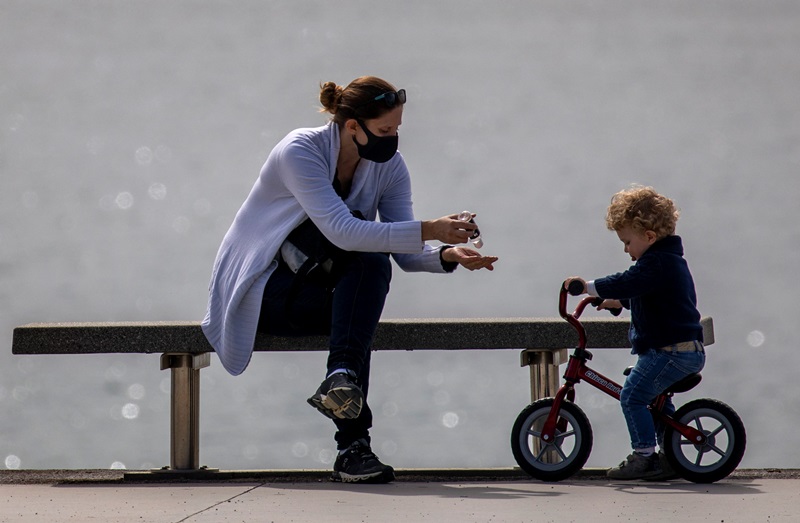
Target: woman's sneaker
x,y
358,464
636,466
338,397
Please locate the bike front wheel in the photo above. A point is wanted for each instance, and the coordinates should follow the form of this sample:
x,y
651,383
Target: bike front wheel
x,y
724,446
565,455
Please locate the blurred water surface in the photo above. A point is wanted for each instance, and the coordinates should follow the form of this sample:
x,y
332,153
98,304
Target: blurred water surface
x,y
130,133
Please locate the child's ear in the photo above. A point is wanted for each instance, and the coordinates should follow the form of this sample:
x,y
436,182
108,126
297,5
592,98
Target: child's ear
x,y
651,237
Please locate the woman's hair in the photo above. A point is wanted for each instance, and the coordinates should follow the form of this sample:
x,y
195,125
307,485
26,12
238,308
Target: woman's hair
x,y
354,100
643,209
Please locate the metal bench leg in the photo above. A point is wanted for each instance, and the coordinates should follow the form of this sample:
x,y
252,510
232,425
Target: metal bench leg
x,y
185,408
545,377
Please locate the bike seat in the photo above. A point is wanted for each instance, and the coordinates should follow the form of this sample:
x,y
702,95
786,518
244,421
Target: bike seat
x,y
687,383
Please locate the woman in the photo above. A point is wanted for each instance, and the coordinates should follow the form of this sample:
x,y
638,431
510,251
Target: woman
x,y
334,175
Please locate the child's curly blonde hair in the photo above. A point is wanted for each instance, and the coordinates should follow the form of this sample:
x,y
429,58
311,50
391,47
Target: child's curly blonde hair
x,y
643,209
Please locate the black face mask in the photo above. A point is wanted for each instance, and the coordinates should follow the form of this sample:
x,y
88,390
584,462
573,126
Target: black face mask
x,y
378,149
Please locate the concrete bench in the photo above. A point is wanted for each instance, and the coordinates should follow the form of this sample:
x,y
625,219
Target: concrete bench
x,y
184,350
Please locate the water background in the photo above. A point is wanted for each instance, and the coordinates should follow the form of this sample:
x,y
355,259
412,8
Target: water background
x,y
130,133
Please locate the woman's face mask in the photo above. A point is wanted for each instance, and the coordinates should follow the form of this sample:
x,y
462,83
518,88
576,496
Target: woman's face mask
x,y
378,149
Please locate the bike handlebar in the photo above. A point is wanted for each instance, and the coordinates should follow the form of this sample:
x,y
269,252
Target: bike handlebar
x,y
615,311
576,288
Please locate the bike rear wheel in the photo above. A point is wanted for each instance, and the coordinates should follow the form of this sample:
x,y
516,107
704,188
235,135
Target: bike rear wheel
x,y
562,457
724,447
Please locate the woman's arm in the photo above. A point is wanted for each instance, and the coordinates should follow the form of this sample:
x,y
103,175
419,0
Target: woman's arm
x,y
306,174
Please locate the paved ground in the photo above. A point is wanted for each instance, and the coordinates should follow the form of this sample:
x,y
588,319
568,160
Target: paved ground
x,y
441,497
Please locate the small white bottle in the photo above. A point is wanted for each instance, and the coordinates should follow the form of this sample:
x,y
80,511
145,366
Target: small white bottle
x,y
476,240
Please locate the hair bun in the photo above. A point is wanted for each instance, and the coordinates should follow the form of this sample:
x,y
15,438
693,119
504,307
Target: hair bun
x,y
330,96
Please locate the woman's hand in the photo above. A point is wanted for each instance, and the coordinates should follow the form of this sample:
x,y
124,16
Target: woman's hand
x,y
468,258
447,229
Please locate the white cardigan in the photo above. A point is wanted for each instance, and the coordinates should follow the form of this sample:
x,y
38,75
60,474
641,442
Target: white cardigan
x,y
295,182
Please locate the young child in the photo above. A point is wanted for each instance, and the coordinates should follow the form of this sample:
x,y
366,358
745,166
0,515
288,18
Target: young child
x,y
665,329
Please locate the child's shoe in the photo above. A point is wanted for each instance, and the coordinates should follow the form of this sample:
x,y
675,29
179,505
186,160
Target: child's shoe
x,y
667,472
636,466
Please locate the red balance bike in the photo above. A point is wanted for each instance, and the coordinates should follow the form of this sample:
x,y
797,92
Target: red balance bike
x,y
704,440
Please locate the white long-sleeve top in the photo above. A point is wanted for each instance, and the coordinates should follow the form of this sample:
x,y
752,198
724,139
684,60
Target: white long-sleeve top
x,y
295,182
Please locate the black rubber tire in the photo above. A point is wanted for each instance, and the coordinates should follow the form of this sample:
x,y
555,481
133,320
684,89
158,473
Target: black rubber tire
x,y
722,452
557,460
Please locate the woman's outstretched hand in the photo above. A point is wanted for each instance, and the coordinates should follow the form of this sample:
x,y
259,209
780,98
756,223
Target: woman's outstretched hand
x,y
447,229
468,258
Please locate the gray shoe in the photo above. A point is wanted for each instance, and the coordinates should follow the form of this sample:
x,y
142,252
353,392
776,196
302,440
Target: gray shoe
x,y
667,472
636,466
338,397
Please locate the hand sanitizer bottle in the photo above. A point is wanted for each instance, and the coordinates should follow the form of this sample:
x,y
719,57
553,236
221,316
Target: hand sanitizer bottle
x,y
476,240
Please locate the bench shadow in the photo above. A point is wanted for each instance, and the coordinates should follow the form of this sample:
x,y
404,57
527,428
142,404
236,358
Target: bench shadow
x,y
487,491
529,489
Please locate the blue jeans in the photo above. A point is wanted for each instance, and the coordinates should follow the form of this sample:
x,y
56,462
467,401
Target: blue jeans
x,y
655,370
349,314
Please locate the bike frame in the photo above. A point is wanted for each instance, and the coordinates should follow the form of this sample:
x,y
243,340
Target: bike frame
x,y
578,371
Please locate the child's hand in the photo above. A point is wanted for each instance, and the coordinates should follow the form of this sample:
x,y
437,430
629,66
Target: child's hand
x,y
571,279
609,305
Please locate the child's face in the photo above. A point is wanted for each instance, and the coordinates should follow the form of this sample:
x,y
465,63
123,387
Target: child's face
x,y
636,241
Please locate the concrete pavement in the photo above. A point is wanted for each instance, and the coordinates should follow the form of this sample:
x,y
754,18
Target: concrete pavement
x,y
743,497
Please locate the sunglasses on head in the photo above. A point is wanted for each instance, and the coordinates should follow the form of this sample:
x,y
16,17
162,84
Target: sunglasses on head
x,y
390,98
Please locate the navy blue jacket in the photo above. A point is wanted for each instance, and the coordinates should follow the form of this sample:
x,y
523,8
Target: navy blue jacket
x,y
659,291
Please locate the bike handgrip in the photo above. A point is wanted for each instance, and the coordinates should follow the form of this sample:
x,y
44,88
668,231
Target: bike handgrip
x,y
575,288
616,311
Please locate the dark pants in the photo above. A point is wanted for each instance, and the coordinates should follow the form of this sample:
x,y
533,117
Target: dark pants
x,y
349,313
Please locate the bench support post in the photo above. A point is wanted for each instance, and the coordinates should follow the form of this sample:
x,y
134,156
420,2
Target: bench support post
x,y
185,408
543,364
